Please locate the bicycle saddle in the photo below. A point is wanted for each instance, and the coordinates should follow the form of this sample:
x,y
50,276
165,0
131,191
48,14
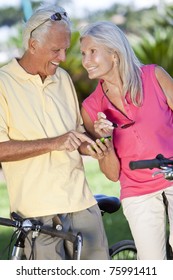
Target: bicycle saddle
x,y
109,204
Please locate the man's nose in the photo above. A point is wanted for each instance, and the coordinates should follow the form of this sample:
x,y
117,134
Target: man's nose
x,y
62,55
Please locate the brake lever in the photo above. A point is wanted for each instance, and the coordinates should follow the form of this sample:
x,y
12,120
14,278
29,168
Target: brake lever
x,y
165,171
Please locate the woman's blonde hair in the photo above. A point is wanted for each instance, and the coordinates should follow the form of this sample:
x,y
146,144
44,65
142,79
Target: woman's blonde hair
x,y
111,36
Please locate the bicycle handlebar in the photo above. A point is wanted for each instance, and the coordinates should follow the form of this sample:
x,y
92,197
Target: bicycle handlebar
x,y
38,227
158,162
54,232
8,222
142,164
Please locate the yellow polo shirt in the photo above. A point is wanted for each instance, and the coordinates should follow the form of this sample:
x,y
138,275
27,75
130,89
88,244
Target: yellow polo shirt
x,y
29,109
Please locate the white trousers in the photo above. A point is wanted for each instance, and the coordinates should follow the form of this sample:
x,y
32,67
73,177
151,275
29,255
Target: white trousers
x,y
147,220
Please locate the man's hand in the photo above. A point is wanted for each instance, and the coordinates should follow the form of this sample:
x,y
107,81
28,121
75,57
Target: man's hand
x,y
72,140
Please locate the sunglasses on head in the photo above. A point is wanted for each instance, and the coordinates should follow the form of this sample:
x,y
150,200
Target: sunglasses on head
x,y
55,17
58,16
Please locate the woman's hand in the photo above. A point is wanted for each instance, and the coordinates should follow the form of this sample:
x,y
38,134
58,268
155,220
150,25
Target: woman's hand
x,y
101,148
103,126
105,154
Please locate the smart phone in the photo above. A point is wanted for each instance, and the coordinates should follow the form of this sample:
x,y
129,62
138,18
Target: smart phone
x,y
106,137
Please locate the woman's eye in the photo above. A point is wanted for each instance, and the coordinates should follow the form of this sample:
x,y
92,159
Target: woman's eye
x,y
93,51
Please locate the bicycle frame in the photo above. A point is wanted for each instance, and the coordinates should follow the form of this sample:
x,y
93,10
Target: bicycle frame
x,y
25,226
107,204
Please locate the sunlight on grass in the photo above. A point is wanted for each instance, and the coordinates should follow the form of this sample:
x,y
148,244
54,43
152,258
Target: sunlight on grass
x,y
4,201
98,181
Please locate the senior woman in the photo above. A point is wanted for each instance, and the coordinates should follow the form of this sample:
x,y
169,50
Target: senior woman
x,y
133,103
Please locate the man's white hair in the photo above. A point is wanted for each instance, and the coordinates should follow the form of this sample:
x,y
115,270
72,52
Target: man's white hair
x,y
38,23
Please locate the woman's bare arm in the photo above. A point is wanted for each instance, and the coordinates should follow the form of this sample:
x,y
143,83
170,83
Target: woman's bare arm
x,y
104,152
166,83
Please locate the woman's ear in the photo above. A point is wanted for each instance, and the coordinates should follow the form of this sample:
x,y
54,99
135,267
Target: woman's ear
x,y
116,55
116,58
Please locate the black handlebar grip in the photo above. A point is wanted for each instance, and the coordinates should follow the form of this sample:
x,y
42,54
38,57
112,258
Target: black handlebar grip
x,y
142,164
8,222
53,232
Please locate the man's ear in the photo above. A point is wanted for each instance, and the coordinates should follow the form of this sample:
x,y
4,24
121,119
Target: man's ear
x,y
32,45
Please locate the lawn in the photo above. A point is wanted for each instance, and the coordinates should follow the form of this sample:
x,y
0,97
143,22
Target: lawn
x,y
115,224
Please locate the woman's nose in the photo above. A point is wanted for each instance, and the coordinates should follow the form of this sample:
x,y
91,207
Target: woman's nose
x,y
86,61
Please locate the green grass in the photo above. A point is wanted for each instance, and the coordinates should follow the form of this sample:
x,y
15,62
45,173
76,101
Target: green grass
x,y
115,224
5,233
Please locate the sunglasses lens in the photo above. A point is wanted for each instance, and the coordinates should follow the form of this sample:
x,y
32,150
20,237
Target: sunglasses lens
x,y
56,16
127,125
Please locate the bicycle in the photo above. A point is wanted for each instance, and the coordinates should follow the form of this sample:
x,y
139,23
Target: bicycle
x,y
122,250
166,169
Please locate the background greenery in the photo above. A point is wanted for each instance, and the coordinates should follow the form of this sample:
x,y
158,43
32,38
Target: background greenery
x,y
149,31
115,224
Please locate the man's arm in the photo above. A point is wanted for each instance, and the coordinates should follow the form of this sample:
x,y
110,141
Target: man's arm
x,y
14,150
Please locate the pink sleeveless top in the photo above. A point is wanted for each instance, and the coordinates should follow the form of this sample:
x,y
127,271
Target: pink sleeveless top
x,y
151,133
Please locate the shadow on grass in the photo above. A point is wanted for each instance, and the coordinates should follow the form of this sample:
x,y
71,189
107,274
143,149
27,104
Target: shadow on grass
x,y
5,239
116,227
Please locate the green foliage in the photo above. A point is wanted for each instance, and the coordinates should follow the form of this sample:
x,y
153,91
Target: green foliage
x,y
10,16
155,45
5,233
149,30
16,41
73,66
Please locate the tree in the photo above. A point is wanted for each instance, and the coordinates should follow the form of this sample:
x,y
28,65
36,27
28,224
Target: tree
x,y
156,45
73,66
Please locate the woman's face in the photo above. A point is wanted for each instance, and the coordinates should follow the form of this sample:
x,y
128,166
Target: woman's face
x,y
97,59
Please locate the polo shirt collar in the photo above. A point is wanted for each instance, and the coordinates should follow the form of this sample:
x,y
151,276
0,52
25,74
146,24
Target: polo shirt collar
x,y
22,74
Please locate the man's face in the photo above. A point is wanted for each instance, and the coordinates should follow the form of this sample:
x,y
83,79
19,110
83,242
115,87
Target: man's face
x,y
51,50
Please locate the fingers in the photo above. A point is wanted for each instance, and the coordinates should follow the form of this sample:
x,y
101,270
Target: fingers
x,y
103,126
100,148
101,115
73,139
95,152
83,137
104,145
